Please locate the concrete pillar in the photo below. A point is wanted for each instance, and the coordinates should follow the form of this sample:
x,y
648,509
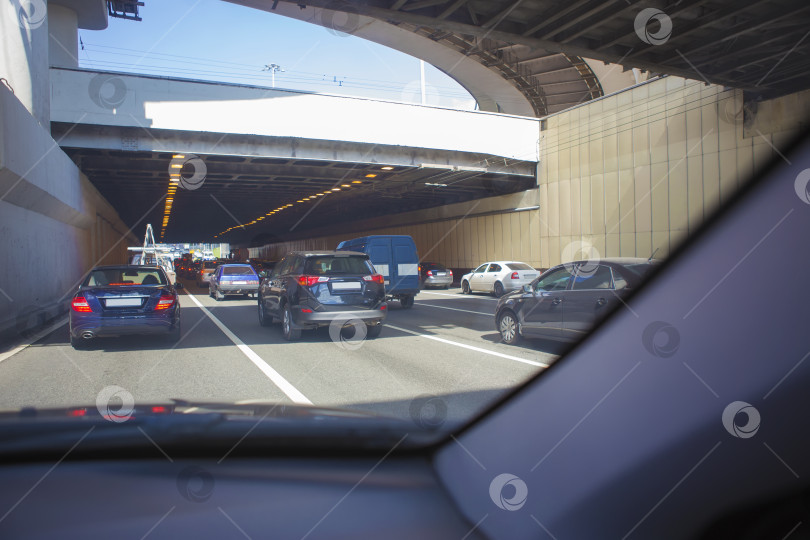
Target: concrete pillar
x,y
63,31
24,55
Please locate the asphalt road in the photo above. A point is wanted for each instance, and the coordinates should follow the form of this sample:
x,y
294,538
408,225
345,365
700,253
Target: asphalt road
x,y
445,346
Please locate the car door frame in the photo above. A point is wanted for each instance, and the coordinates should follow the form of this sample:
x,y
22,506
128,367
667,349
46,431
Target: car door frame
x,y
543,312
276,285
475,282
585,307
490,277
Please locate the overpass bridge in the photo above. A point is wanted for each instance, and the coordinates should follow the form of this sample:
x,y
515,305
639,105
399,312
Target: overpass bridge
x,y
86,157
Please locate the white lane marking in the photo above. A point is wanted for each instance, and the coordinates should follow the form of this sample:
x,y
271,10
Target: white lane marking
x,y
284,385
36,337
465,346
456,309
459,295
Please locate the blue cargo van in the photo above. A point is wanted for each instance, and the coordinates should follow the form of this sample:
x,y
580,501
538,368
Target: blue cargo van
x,y
395,257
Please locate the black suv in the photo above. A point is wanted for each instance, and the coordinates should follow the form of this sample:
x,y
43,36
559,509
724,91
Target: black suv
x,y
308,289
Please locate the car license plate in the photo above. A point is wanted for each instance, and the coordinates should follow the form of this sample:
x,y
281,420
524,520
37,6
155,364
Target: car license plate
x,y
441,274
123,302
345,285
239,282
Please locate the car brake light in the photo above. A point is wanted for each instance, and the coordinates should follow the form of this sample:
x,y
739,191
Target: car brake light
x,y
80,304
514,275
376,278
309,281
159,409
450,272
430,273
306,310
382,307
166,301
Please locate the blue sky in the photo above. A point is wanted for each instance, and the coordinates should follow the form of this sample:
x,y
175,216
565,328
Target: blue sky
x,y
220,41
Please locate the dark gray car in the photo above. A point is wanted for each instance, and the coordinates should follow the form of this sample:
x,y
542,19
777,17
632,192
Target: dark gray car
x,y
566,301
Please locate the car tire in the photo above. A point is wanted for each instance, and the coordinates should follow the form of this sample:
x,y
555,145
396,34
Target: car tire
x,y
446,287
498,289
218,296
406,302
289,333
465,287
174,334
508,327
373,331
264,318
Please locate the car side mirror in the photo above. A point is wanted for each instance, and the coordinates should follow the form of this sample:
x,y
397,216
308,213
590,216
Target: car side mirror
x,y
527,288
263,274
178,285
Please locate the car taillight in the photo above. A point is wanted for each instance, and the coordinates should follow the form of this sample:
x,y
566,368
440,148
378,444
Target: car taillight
x,y
80,304
166,301
430,273
450,272
309,281
376,278
514,275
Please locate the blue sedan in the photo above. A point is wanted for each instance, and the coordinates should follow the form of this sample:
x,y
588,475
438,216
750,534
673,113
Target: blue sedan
x,y
124,300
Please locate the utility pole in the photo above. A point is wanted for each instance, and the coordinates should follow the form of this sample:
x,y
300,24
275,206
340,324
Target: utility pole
x,y
273,68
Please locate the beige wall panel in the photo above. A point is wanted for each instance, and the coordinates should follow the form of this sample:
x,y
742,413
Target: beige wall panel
x,y
658,141
553,213
643,203
711,182
625,148
644,244
553,166
554,250
612,215
676,138
729,126
694,191
659,196
728,174
576,208
627,245
678,207
597,204
612,247
575,162
641,145
543,230
627,212
709,125
660,241
564,160
610,149
595,156
694,131
526,237
565,207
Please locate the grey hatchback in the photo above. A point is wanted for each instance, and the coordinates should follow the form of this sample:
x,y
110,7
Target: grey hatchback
x,y
309,289
566,301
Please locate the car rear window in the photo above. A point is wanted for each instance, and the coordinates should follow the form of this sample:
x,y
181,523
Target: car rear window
x,y
518,266
121,277
333,265
435,266
238,270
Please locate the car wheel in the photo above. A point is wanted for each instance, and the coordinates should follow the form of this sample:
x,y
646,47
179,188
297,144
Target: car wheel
x,y
508,327
465,287
446,287
218,296
78,343
289,333
264,318
373,331
498,289
174,334
406,302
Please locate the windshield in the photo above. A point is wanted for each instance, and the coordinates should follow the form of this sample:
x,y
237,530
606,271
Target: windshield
x,y
537,166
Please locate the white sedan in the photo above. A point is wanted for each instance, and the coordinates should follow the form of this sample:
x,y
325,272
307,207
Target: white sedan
x,y
498,277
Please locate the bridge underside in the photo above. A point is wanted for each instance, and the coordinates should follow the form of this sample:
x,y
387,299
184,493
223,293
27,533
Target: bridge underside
x,y
239,190
538,46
